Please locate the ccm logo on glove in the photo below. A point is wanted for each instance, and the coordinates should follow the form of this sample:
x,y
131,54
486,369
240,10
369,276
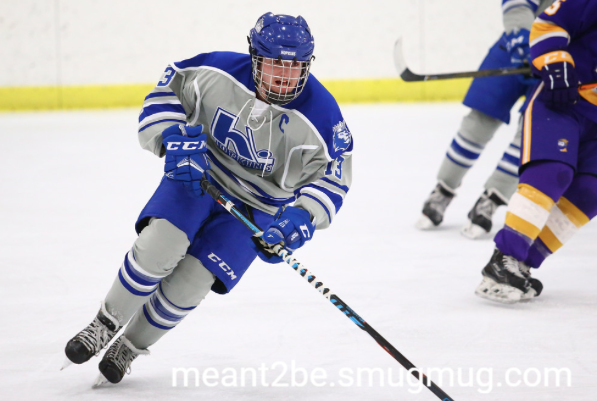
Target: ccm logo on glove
x,y
186,145
186,160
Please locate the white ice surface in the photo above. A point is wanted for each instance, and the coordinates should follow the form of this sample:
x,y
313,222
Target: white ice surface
x,y
73,184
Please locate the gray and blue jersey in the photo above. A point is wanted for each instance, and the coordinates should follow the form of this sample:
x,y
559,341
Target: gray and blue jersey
x,y
265,155
520,14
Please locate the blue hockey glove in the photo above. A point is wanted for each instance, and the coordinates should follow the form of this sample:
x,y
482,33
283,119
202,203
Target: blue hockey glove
x,y
559,77
265,250
293,226
186,160
517,44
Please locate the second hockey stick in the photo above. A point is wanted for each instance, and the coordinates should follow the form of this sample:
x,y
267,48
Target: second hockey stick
x,y
407,75
325,291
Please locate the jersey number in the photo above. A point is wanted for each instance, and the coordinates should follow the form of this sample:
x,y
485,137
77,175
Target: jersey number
x,y
166,77
335,167
551,10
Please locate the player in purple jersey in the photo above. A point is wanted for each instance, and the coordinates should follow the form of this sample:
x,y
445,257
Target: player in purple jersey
x,y
557,193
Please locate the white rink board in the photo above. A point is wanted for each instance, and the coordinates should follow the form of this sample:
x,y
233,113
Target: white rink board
x,y
82,42
74,184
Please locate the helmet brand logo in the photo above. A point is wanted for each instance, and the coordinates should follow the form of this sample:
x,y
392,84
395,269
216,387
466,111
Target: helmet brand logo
x,y
259,25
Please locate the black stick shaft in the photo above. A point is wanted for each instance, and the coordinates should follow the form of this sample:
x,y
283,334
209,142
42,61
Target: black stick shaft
x,y
327,293
409,76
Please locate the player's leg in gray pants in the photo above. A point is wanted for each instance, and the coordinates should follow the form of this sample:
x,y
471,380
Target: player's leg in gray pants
x,y
176,296
475,132
504,179
155,253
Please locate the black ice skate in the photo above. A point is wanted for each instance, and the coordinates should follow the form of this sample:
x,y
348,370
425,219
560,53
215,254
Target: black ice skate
x,y
507,280
481,215
535,284
117,361
92,339
435,206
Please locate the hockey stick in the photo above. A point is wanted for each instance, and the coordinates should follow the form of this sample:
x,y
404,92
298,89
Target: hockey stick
x,y
325,291
407,75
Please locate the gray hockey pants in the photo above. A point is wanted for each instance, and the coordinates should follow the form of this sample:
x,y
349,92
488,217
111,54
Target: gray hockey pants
x,y
158,284
475,132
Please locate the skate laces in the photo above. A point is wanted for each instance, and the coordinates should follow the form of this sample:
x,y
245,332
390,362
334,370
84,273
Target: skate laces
x,y
525,269
95,336
486,207
122,353
438,201
513,266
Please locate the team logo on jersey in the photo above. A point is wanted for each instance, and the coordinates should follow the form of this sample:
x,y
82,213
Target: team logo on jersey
x,y
342,136
238,144
563,145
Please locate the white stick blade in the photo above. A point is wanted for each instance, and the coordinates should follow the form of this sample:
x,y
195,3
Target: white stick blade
x,y
399,61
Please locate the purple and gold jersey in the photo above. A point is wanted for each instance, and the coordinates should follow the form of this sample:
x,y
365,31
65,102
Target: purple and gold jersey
x,y
569,29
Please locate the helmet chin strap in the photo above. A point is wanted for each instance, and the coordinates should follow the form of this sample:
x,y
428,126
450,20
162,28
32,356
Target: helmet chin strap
x,y
260,95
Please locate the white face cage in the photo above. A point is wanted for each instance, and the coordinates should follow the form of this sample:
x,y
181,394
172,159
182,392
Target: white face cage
x,y
279,81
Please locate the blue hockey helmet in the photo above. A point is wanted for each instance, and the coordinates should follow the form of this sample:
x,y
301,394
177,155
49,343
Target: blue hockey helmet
x,y
285,43
284,36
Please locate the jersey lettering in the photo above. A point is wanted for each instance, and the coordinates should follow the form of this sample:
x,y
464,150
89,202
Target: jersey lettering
x,y
283,120
239,145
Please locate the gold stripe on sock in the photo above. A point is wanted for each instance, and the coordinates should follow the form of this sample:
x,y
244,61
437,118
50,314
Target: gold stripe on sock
x,y
574,214
536,196
550,240
521,225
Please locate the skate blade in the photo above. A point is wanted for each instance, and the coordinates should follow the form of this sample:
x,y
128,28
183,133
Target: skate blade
x,y
501,293
67,362
530,294
472,231
99,381
424,223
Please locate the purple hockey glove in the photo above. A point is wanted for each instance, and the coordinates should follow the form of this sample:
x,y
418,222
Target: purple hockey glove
x,y
185,156
556,69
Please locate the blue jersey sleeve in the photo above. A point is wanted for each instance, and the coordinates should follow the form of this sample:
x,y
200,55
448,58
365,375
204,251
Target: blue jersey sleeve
x,y
320,108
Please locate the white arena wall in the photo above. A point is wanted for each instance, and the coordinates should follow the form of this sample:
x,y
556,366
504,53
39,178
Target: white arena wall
x,y
66,43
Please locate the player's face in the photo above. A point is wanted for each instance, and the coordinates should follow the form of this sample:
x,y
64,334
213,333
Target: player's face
x,y
280,76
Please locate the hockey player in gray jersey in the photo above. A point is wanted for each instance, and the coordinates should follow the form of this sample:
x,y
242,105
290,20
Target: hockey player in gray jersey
x,y
271,138
490,100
